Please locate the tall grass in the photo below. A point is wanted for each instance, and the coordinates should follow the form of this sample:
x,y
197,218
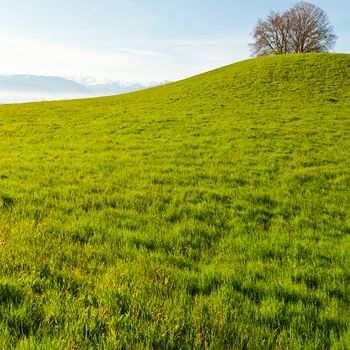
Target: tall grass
x,y
212,213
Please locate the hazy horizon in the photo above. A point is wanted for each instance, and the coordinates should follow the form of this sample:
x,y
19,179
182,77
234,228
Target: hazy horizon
x,y
31,88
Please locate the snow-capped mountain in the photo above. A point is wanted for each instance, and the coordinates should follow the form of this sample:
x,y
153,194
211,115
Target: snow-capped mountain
x,y
26,88
116,87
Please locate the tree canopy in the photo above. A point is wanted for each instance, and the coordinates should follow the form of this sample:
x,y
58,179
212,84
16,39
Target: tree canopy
x,y
300,29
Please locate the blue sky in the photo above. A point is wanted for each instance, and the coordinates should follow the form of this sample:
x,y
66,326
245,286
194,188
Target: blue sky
x,y
137,40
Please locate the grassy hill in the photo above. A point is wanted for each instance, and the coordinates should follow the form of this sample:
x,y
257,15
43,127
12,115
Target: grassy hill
x,y
211,213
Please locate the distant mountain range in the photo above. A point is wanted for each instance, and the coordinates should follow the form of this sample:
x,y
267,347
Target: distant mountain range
x,y
116,87
26,88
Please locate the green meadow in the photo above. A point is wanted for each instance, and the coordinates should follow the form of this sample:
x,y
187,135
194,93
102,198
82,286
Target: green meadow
x,y
210,213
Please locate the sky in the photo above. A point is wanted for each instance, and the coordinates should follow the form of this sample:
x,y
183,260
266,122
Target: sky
x,y
137,40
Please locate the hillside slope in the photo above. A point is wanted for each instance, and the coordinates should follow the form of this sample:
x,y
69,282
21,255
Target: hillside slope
x,y
210,213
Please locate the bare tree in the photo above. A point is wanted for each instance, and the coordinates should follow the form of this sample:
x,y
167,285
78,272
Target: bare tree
x,y
303,28
271,35
310,29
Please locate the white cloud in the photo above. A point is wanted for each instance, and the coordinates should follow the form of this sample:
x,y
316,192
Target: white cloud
x,y
140,61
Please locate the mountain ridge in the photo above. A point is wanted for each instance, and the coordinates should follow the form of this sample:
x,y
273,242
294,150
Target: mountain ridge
x,y
26,87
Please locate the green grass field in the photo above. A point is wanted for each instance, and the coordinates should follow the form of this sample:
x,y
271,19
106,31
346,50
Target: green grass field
x,y
211,213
